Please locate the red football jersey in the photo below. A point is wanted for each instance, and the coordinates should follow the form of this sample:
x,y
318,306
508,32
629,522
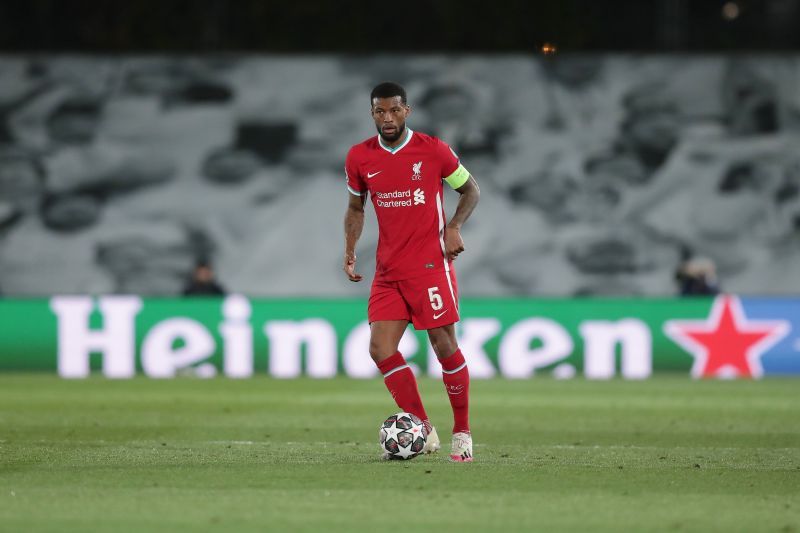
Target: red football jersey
x,y
405,184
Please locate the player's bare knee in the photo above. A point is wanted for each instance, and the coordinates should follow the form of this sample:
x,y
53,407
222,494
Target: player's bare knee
x,y
379,352
444,344
445,349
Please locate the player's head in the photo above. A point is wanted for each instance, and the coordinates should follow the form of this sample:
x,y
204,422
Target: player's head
x,y
389,109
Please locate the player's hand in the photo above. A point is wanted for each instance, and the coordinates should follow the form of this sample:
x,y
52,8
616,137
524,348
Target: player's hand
x,y
350,267
453,243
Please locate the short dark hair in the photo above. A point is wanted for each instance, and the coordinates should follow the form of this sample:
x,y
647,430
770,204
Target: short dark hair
x,y
388,89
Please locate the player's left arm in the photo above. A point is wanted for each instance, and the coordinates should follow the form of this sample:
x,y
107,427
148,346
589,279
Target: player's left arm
x,y
469,193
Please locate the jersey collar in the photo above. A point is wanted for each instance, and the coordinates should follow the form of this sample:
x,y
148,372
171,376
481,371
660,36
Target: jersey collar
x,y
398,147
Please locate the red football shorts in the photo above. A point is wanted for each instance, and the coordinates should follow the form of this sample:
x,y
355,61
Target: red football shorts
x,y
427,302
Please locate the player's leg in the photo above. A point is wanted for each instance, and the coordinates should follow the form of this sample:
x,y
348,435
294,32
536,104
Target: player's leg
x,y
389,317
455,375
433,303
385,338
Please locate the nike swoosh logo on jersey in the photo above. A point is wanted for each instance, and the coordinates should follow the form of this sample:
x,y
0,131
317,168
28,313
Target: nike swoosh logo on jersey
x,y
436,317
373,174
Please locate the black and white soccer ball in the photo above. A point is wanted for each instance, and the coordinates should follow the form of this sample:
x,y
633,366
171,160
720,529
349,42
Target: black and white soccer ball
x,y
402,436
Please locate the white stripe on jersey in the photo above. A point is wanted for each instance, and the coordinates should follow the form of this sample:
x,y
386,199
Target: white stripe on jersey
x,y
440,211
452,292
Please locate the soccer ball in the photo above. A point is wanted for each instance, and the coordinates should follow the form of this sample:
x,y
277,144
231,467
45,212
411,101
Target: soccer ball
x,y
402,436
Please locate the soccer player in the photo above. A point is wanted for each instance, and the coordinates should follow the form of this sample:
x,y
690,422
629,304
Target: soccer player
x,y
403,171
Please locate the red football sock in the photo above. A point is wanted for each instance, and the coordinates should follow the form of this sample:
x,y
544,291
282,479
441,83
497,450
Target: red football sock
x,y
402,384
456,381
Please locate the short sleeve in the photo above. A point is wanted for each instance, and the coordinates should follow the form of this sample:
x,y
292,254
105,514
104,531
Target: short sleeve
x,y
453,172
355,183
448,158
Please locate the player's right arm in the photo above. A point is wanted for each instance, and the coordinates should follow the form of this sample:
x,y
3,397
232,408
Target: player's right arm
x,y
353,224
354,216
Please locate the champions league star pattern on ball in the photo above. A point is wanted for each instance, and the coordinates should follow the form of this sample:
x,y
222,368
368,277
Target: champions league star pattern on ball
x,y
402,436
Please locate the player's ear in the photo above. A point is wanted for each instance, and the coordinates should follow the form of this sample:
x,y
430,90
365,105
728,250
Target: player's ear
x,y
408,109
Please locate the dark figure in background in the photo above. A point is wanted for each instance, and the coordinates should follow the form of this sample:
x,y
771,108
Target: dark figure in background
x,y
203,282
696,276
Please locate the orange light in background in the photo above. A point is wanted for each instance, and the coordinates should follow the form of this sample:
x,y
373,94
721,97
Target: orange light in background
x,y
548,49
730,10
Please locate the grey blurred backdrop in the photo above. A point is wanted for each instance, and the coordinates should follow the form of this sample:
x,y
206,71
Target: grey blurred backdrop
x,y
599,172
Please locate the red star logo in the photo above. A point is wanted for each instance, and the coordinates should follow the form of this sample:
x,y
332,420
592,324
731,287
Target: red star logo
x,y
726,344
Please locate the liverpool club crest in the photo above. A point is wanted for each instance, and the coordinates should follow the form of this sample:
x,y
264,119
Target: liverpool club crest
x,y
416,168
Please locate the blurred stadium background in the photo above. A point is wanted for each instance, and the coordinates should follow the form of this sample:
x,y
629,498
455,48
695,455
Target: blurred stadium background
x,y
639,226
603,166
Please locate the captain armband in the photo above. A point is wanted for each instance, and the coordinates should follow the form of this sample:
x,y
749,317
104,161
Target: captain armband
x,y
458,178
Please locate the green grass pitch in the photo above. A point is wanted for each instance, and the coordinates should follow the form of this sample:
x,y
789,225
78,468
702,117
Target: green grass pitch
x,y
267,455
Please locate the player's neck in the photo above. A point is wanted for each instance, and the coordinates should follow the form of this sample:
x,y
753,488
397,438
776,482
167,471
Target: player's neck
x,y
394,144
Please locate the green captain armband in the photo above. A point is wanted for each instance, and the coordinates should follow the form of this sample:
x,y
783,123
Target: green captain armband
x,y
458,178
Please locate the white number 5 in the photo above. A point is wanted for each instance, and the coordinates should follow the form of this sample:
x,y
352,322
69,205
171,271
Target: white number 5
x,y
435,298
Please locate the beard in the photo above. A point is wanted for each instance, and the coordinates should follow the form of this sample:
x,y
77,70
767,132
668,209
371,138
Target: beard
x,y
391,138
